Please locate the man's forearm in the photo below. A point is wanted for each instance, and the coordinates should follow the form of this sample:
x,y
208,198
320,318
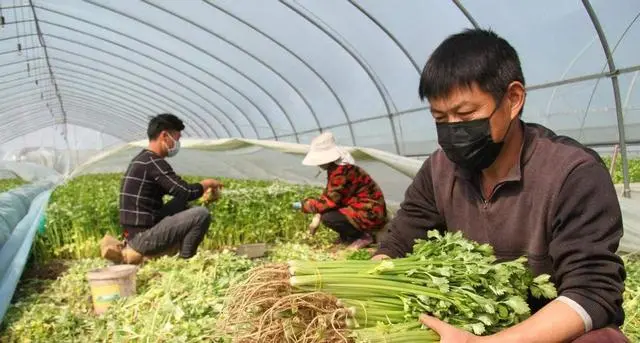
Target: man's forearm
x,y
556,322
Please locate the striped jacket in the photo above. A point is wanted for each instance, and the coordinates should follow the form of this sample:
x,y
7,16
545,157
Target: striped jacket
x,y
148,178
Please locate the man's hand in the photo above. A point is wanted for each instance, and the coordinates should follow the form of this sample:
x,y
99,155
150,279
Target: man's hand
x,y
207,197
380,257
448,333
211,184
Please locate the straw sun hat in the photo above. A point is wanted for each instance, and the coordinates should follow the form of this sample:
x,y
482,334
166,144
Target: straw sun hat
x,y
323,150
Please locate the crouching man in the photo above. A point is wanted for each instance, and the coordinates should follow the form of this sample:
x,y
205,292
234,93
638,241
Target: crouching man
x,y
149,226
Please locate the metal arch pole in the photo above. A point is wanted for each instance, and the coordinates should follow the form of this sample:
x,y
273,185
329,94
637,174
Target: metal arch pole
x,y
91,68
28,78
92,85
48,64
616,92
360,62
108,114
113,102
107,124
157,61
18,99
97,95
298,57
388,33
26,108
104,82
91,117
8,112
14,73
143,67
206,53
26,48
204,71
295,89
108,105
32,115
129,116
18,36
8,98
169,103
34,126
23,21
466,14
75,81
19,62
134,74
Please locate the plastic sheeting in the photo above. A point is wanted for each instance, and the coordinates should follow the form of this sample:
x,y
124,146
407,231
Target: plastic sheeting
x,y
631,219
14,206
269,160
288,69
14,254
28,171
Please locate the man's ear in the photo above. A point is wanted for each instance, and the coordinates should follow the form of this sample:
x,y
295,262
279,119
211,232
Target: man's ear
x,y
516,94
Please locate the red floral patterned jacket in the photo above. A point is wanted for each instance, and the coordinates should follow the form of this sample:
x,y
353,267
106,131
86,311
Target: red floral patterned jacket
x,y
353,192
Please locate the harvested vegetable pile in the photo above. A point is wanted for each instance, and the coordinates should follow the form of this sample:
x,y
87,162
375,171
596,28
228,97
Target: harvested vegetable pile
x,y
82,211
447,276
60,310
177,301
9,184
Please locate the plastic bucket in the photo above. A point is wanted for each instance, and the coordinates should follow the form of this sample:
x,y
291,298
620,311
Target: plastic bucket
x,y
111,283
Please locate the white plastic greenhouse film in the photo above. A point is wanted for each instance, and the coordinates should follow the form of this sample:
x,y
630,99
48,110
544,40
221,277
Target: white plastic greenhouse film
x,y
393,185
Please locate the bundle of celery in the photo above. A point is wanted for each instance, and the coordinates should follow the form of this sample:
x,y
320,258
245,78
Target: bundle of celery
x,y
446,276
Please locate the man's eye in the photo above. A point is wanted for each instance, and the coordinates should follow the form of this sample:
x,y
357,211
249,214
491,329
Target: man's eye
x,y
465,113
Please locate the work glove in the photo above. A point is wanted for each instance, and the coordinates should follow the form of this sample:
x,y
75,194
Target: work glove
x,y
297,205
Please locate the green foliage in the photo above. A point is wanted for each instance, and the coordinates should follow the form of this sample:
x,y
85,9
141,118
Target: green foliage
x,y
360,254
634,169
83,210
631,327
177,301
9,184
448,276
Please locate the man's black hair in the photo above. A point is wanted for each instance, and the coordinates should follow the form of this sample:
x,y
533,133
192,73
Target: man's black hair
x,y
472,56
162,122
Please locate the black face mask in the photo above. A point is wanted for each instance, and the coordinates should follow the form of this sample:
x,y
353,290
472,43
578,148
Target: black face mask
x,y
468,144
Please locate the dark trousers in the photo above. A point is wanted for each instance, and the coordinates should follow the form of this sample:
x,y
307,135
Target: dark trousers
x,y
608,334
182,226
339,223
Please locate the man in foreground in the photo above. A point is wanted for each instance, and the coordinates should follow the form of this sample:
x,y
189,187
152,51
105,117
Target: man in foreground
x,y
151,227
518,187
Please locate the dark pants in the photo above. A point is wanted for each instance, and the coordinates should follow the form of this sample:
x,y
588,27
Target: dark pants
x,y
608,335
339,223
179,226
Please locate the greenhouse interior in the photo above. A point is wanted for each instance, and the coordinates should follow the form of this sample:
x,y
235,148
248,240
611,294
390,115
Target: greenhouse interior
x,y
257,86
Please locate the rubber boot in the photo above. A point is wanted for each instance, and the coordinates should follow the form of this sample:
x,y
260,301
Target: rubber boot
x,y
111,249
130,256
